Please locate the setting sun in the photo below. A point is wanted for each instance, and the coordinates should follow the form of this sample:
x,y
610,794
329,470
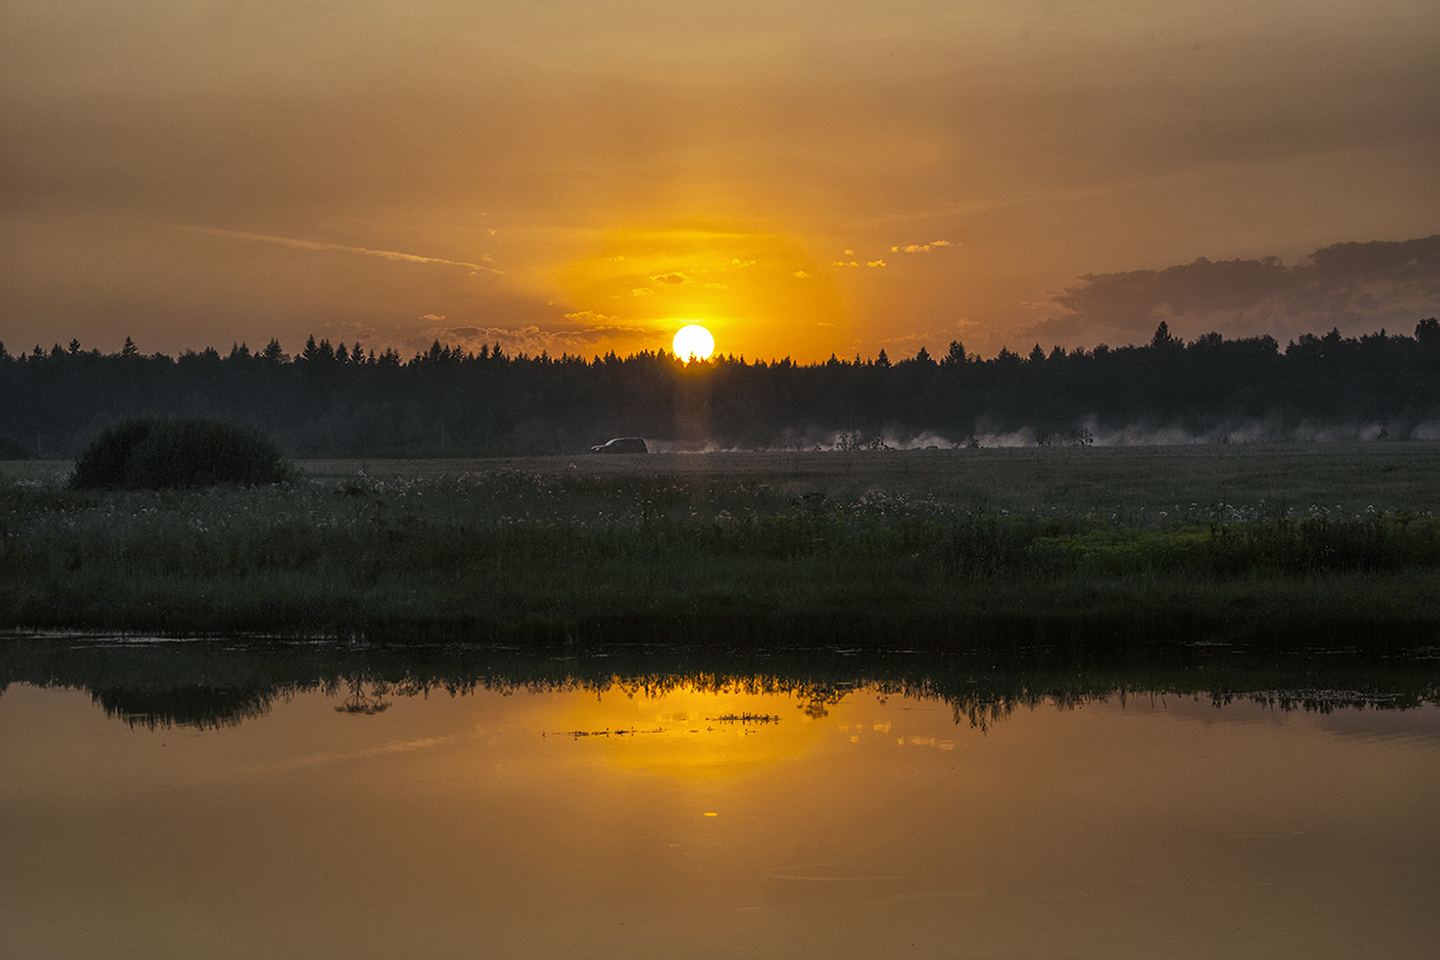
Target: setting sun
x,y
694,342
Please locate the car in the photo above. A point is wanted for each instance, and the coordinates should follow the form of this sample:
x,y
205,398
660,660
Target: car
x,y
621,445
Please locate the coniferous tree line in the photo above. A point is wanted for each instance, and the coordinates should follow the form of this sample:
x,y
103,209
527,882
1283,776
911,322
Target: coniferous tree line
x,y
338,399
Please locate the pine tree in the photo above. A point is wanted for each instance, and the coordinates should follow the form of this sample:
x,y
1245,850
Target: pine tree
x,y
1162,339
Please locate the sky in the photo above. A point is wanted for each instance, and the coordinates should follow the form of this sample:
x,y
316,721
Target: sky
x,y
803,178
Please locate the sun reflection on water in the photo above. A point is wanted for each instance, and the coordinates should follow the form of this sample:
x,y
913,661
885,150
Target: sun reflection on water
x,y
521,816
690,733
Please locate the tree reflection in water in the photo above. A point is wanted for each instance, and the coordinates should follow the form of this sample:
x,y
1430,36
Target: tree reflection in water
x,y
209,683
360,702
649,802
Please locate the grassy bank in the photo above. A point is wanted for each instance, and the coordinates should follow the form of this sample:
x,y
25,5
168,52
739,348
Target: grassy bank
x,y
880,549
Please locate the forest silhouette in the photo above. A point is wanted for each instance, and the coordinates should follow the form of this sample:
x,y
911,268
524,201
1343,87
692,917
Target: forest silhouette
x,y
338,399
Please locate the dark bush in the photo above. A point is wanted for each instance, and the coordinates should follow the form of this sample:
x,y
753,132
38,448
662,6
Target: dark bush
x,y
103,462
149,454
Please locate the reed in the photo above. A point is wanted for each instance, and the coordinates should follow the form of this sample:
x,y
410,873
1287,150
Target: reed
x,y
514,552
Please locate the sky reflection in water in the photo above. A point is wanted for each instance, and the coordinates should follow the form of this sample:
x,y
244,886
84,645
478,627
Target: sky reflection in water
x,y
854,825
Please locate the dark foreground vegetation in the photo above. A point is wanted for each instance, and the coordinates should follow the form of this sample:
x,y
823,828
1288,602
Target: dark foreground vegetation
x,y
774,556
333,399
150,454
207,685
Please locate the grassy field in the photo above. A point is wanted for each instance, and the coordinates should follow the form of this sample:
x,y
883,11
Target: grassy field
x,y
920,547
1347,477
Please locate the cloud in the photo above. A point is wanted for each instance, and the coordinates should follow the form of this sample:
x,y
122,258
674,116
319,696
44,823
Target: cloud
x,y
643,292
340,247
1360,285
587,338
1067,330
875,263
1240,138
675,277
921,247
906,345
590,318
802,274
432,316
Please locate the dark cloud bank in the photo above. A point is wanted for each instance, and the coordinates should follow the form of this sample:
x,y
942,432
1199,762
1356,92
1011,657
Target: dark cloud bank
x,y
1357,287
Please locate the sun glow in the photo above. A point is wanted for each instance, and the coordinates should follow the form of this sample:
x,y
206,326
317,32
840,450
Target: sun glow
x,y
688,733
694,342
637,284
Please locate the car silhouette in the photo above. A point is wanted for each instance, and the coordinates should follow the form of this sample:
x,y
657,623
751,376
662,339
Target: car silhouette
x,y
621,445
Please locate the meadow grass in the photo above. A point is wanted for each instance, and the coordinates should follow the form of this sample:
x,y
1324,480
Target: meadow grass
x,y
1135,481
902,547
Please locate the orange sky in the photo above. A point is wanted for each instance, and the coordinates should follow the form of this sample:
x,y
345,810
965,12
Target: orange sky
x,y
803,177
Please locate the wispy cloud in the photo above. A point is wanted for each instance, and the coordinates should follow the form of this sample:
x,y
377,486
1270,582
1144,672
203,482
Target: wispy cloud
x,y
343,248
595,334
921,247
592,318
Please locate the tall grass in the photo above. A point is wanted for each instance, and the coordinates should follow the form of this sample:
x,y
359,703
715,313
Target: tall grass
x,y
508,550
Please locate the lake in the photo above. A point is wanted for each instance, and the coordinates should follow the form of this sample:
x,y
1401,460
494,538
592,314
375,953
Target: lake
x,y
575,814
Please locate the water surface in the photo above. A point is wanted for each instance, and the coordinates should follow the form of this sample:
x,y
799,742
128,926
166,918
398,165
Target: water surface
x,y
684,821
